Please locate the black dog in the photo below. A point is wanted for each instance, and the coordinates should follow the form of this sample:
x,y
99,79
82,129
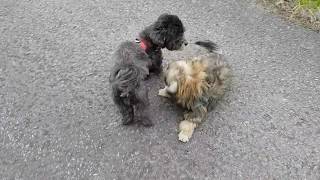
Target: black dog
x,y
134,61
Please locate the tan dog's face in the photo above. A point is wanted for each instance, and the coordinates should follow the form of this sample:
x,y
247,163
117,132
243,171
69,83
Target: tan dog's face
x,y
176,70
185,80
172,74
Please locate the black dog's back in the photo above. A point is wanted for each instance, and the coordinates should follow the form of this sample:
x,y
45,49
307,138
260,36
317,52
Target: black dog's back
x,y
131,67
130,53
124,79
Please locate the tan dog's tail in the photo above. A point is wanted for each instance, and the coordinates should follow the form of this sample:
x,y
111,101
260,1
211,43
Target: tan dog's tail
x,y
209,45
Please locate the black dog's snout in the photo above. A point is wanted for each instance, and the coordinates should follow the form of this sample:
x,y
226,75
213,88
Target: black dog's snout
x,y
185,43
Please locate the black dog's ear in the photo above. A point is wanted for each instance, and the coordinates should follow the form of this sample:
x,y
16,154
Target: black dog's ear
x,y
158,34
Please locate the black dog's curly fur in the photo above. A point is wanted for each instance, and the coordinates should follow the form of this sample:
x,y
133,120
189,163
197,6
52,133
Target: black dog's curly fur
x,y
132,66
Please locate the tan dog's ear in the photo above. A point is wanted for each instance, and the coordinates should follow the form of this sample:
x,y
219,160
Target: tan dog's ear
x,y
173,88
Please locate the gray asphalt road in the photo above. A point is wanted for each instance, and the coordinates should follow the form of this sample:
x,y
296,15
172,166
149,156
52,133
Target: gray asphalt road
x,y
58,120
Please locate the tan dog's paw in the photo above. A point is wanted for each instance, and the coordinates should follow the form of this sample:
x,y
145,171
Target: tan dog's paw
x,y
183,136
186,130
163,93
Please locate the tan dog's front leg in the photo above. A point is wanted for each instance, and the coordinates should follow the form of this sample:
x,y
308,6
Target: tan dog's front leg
x,y
186,129
163,92
168,89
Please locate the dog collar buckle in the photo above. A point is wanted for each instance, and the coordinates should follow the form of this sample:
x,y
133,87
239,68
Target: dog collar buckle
x,y
142,43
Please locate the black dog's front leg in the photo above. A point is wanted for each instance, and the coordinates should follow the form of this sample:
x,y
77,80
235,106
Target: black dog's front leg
x,y
142,105
125,108
127,114
156,61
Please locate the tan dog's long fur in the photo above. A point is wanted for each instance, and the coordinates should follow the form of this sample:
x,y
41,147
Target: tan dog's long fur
x,y
194,84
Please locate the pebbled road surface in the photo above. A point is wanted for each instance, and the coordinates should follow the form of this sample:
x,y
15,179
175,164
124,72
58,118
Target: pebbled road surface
x,y
57,120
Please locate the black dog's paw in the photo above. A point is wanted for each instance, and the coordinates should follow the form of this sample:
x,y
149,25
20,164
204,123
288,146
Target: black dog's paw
x,y
146,122
157,71
127,121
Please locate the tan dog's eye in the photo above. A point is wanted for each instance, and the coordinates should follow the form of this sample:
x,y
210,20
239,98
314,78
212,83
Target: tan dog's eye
x,y
165,66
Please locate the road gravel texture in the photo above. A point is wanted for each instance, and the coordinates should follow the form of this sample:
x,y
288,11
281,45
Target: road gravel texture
x,y
57,119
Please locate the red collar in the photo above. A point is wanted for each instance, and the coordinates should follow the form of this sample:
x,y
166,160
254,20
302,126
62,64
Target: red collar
x,y
143,44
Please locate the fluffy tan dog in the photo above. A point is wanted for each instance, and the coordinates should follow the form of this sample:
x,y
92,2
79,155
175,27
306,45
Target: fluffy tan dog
x,y
196,85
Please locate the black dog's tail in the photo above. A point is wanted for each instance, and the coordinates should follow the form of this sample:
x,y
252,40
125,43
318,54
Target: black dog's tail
x,y
209,45
125,79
